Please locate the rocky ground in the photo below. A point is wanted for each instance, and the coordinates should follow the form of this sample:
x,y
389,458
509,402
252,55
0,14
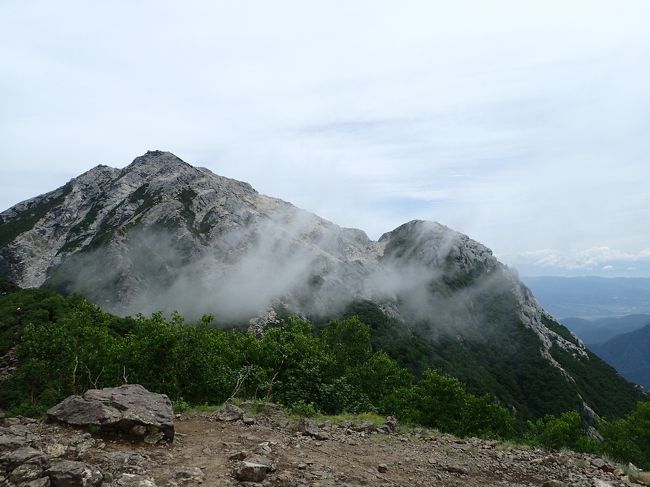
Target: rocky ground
x,y
250,446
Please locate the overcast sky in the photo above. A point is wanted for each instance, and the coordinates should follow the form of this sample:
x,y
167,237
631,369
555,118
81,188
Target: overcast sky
x,y
525,125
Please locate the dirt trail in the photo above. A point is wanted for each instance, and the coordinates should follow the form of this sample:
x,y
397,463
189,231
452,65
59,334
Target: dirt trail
x,y
351,455
211,451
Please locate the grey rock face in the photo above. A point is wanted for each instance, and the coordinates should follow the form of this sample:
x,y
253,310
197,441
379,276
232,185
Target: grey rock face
x,y
68,473
129,409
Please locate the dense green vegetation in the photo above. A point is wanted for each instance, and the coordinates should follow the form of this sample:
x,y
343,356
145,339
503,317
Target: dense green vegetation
x,y
68,345
626,439
500,357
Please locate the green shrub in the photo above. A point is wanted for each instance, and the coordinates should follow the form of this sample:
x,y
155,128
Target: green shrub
x,y
628,439
301,408
441,402
555,432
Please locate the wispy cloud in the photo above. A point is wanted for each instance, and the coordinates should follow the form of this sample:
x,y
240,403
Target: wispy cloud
x,y
595,260
523,125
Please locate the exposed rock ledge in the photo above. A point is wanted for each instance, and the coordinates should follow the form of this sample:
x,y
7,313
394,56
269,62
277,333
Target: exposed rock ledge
x,y
129,410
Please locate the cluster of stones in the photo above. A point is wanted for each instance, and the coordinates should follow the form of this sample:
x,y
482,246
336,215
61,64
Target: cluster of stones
x,y
28,459
258,444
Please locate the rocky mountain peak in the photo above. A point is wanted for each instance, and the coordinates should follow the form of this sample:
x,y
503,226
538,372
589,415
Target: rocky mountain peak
x,y
161,234
436,245
97,175
157,158
156,163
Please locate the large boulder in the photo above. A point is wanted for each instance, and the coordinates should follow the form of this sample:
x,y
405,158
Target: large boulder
x,y
68,473
20,456
129,410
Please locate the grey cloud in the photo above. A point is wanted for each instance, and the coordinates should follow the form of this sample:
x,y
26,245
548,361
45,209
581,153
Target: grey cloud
x,y
349,109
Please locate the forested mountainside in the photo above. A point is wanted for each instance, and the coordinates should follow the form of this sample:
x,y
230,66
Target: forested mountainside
x,y
629,353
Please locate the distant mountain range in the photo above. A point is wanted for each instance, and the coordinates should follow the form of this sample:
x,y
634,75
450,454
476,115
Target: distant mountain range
x,y
602,329
591,297
629,353
162,234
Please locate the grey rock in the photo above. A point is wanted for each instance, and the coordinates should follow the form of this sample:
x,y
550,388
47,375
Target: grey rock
x,y
10,440
83,447
27,472
240,455
250,472
154,437
598,462
633,469
42,482
365,426
132,480
55,450
24,455
128,409
455,469
322,436
68,473
260,460
230,412
186,474
285,480
308,427
392,423
123,458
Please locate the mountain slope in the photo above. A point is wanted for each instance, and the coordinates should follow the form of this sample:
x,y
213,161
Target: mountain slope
x,y
161,234
629,353
602,329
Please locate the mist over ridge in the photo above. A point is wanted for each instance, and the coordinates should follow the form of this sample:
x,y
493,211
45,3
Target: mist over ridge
x,y
161,234
167,236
